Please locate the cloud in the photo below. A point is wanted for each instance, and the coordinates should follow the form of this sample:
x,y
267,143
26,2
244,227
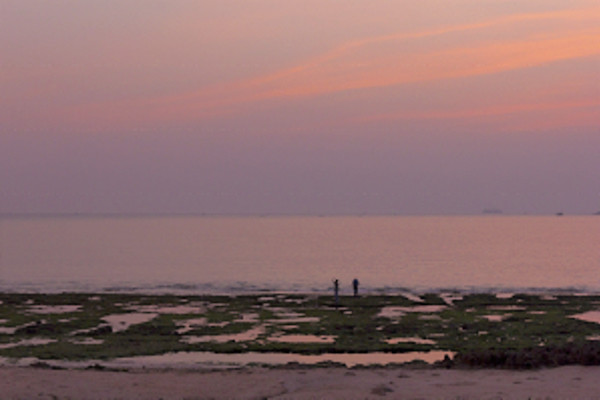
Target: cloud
x,y
381,61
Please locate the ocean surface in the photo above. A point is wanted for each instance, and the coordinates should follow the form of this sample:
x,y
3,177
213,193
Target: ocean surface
x,y
207,255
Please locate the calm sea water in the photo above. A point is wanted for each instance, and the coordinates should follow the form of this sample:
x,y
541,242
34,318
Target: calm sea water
x,y
232,255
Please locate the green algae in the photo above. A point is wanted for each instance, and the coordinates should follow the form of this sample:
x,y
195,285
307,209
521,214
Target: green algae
x,y
481,329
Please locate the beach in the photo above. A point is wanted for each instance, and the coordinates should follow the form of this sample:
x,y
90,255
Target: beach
x,y
299,200
290,346
570,382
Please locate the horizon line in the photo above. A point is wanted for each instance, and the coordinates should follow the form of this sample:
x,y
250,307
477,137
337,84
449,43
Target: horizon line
x,y
278,214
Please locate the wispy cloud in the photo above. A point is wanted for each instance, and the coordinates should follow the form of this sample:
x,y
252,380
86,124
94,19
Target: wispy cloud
x,y
383,61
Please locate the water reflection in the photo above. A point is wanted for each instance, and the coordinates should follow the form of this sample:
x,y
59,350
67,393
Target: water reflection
x,y
495,317
187,325
48,254
59,309
28,342
398,340
122,322
590,316
181,309
246,336
190,359
302,339
392,312
87,341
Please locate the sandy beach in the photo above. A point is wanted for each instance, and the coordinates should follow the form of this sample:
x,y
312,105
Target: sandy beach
x,y
572,382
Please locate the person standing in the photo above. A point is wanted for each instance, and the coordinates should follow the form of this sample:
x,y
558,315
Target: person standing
x,y
336,291
355,287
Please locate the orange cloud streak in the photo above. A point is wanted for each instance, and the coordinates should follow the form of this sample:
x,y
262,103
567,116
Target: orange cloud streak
x,y
358,65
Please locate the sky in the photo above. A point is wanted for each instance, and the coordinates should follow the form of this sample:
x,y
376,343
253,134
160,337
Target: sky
x,y
299,106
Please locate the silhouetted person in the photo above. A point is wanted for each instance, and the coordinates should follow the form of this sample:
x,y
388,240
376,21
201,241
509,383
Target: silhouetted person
x,y
336,291
355,286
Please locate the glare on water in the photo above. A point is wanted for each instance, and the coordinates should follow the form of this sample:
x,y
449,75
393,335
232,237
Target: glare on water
x,y
299,253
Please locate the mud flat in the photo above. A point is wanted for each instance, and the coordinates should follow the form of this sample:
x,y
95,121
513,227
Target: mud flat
x,y
571,382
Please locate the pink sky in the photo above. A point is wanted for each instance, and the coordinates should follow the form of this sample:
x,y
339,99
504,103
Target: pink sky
x,y
265,106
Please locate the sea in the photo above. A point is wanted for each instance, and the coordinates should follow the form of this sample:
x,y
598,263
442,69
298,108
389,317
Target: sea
x,y
241,255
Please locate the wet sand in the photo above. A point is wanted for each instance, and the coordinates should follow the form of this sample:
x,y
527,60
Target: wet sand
x,y
571,382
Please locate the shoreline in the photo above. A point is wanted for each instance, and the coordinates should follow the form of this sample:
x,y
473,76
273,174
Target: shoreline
x,y
210,290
